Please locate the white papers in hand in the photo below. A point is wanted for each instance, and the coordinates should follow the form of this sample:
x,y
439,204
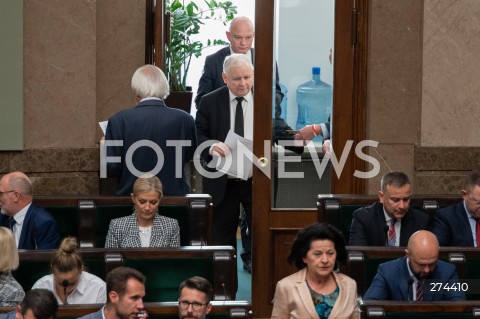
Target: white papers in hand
x,y
239,162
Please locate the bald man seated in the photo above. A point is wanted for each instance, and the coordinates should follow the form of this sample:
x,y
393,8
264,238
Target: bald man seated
x,y
33,227
404,278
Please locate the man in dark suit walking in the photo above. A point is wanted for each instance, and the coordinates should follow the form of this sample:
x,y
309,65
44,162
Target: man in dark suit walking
x,y
33,227
240,35
218,113
154,138
404,278
391,221
459,224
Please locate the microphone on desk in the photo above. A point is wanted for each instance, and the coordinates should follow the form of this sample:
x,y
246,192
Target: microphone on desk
x,y
385,231
410,283
65,285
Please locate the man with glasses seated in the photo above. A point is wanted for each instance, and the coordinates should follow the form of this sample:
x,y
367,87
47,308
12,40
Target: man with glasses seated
x,y
194,301
33,227
459,224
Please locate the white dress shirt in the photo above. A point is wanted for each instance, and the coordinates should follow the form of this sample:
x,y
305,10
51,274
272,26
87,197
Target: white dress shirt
x,y
90,289
19,218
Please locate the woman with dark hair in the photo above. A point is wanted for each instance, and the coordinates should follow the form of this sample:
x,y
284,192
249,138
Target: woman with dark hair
x,y
317,290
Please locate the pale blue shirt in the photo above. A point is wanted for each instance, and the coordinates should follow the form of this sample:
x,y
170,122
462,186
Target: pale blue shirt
x,y
416,282
397,227
473,225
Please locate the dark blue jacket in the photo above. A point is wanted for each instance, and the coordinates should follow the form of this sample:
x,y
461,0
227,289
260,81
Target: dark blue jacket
x,y
452,227
391,282
39,230
153,121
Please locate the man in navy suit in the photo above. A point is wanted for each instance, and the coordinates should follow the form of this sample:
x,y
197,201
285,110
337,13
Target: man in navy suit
x,y
125,293
155,138
33,227
240,35
404,278
459,224
392,215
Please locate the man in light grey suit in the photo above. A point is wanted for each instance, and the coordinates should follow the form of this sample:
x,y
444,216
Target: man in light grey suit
x,y
37,304
125,292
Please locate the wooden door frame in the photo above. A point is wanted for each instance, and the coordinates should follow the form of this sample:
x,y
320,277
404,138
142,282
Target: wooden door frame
x,y
349,116
274,228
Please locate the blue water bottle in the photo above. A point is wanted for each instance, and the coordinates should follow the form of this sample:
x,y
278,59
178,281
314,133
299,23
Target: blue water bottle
x,y
314,100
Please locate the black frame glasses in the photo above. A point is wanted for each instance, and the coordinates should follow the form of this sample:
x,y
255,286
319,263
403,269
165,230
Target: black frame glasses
x,y
195,305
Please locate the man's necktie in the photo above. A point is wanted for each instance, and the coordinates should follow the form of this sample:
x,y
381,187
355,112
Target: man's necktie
x,y
419,290
238,128
11,223
392,237
477,232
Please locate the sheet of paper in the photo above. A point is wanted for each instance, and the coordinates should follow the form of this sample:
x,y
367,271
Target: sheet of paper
x,y
103,126
239,162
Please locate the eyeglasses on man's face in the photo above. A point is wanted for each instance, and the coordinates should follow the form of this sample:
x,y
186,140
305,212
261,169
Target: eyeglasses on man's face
x,y
195,305
5,192
476,202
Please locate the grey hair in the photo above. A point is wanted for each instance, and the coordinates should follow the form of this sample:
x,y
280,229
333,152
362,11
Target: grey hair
x,y
235,61
150,81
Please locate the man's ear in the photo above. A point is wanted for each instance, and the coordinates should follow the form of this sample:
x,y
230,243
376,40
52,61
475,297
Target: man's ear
x,y
209,308
113,296
224,77
380,196
18,312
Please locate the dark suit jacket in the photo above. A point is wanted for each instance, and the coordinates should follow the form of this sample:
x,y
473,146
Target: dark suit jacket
x,y
39,230
452,227
211,80
213,123
151,120
368,226
94,315
391,282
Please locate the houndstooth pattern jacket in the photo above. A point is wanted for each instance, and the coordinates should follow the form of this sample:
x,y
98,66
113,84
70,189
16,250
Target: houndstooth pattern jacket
x,y
124,232
11,292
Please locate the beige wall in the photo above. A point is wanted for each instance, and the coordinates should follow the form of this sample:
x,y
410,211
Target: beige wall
x,y
79,57
422,90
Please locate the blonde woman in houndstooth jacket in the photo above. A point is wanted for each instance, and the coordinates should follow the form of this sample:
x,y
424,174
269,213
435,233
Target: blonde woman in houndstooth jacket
x,y
145,227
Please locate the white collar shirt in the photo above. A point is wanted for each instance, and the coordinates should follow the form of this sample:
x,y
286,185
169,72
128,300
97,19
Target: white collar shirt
x,y
19,218
247,106
90,289
397,227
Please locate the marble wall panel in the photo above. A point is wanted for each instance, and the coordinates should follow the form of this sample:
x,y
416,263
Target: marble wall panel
x,y
120,51
451,65
59,73
394,74
391,157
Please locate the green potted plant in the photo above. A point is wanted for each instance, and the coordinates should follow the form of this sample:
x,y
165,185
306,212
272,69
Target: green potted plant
x,y
186,19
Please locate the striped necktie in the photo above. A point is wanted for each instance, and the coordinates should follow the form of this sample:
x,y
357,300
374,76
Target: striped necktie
x,y
392,237
419,290
477,232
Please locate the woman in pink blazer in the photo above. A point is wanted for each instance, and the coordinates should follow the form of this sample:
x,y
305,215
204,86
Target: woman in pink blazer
x,y
317,290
